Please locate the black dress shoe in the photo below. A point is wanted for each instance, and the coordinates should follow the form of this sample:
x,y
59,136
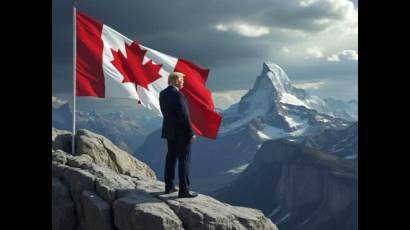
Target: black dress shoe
x,y
187,195
174,189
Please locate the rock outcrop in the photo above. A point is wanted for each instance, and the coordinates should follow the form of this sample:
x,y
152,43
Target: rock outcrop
x,y
102,187
104,153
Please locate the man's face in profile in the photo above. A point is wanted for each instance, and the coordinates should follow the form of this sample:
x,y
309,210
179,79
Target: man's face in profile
x,y
179,83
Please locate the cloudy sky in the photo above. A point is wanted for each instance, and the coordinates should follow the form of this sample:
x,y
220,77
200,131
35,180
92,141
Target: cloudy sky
x,y
314,41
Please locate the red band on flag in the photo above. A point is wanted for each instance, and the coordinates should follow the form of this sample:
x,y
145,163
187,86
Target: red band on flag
x,y
89,50
205,121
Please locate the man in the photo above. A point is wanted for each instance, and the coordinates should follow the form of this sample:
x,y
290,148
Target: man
x,y
176,128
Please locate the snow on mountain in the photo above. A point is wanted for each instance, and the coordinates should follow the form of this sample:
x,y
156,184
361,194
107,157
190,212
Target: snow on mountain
x,y
125,129
343,143
345,110
280,109
56,103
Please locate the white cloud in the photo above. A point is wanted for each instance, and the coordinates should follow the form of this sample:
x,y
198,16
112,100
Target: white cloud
x,y
244,29
224,99
333,58
312,16
316,52
221,27
344,16
306,3
285,49
250,30
336,24
344,55
55,102
332,24
322,21
309,85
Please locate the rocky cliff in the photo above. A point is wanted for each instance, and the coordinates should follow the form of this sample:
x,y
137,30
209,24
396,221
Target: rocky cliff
x,y
299,188
102,187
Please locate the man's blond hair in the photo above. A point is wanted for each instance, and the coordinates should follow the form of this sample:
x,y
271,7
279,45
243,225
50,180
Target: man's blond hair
x,y
174,76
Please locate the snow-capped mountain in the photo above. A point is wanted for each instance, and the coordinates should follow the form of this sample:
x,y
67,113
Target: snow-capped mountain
x,y
61,114
272,109
345,110
278,109
126,130
342,143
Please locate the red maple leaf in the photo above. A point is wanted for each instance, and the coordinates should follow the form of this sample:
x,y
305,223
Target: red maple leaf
x,y
131,67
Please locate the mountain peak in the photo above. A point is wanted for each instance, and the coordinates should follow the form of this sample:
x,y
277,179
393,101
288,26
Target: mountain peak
x,y
277,76
266,92
283,108
271,65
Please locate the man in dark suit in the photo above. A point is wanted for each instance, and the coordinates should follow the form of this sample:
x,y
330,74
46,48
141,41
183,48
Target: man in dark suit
x,y
176,128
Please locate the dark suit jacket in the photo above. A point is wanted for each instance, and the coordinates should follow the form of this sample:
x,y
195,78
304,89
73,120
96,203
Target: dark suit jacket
x,y
176,124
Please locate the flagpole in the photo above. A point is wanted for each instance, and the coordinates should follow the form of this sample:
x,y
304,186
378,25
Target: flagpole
x,y
74,77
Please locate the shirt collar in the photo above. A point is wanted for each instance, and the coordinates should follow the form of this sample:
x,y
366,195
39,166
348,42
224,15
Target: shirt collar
x,y
174,87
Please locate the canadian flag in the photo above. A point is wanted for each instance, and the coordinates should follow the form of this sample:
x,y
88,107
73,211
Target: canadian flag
x,y
109,65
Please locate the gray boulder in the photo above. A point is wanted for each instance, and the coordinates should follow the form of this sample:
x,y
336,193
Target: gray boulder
x,y
97,212
104,153
143,211
204,213
61,139
63,207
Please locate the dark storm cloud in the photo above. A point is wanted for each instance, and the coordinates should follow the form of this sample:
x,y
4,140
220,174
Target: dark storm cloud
x,y
290,15
186,29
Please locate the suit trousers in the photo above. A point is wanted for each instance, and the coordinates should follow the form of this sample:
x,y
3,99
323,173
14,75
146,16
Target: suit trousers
x,y
178,150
